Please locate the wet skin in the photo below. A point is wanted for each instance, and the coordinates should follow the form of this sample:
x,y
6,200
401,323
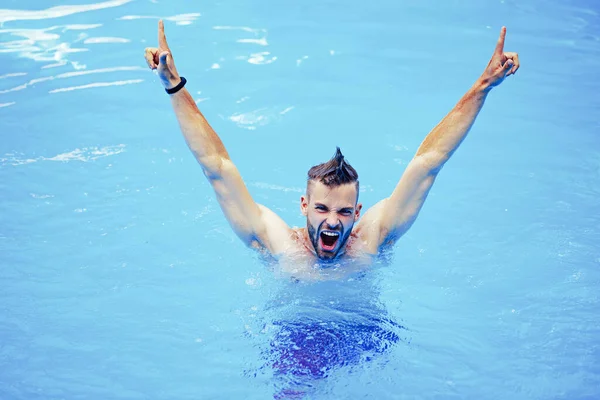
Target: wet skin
x,y
330,216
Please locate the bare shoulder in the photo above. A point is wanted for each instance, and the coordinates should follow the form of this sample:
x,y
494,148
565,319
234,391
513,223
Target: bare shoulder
x,y
277,236
369,228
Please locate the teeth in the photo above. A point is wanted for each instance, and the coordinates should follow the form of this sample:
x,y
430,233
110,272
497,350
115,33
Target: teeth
x,y
331,233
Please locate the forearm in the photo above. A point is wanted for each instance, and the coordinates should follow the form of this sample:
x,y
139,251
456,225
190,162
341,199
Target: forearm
x,y
242,212
445,138
202,140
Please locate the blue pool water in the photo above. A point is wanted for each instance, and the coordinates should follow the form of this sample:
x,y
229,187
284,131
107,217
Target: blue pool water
x,y
120,278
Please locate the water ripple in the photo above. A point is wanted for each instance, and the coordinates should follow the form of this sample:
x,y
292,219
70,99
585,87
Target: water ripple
x,y
106,40
179,19
73,74
44,45
54,45
85,154
260,117
13,75
55,12
96,85
260,34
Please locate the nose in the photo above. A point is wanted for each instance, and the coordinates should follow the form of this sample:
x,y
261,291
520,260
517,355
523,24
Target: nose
x,y
332,222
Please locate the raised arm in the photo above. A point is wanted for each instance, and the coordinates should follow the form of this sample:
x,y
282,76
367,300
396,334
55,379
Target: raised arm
x,y
256,225
393,216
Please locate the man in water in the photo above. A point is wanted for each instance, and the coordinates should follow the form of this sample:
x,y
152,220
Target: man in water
x,y
334,234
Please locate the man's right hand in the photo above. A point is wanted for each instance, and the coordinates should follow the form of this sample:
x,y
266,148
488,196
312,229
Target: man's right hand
x,y
161,59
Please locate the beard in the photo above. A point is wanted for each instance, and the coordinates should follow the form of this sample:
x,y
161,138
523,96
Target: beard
x,y
314,235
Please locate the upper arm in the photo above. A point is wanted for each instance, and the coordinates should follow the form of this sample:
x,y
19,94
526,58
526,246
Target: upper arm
x,y
389,219
254,224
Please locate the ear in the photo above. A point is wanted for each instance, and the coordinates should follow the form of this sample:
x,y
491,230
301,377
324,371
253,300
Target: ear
x,y
304,205
357,211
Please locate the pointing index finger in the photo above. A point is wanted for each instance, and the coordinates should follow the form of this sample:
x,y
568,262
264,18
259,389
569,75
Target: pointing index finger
x,y
162,39
500,44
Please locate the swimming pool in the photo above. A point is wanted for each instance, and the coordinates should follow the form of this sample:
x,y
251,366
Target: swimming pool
x,y
121,279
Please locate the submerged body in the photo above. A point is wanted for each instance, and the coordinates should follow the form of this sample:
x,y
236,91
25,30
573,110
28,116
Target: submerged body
x,y
311,330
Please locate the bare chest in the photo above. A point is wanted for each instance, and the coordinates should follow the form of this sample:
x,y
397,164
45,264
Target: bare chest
x,y
300,262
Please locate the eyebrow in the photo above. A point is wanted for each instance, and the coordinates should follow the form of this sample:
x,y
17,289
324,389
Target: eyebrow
x,y
341,209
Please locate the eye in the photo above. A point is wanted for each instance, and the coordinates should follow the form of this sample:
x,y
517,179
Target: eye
x,y
346,212
321,208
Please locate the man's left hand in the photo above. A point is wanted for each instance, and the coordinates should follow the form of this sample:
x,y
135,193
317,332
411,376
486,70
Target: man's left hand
x,y
501,65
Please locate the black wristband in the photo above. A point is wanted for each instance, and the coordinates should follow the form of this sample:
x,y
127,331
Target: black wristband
x,y
177,88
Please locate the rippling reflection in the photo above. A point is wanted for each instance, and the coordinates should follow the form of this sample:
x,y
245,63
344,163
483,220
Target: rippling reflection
x,y
315,330
105,40
40,45
77,73
55,45
85,154
180,19
69,44
252,119
260,35
96,85
56,12
13,75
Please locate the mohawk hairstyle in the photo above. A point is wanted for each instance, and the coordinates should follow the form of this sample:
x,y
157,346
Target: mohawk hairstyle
x,y
334,172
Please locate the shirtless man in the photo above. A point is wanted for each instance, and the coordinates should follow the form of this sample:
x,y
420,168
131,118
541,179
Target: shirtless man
x,y
335,242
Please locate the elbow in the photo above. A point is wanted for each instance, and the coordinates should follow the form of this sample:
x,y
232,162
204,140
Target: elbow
x,y
432,161
213,166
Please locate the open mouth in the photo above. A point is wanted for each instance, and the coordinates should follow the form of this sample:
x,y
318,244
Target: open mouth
x,y
329,240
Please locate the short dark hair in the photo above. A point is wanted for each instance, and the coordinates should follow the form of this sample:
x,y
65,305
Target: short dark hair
x,y
334,172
